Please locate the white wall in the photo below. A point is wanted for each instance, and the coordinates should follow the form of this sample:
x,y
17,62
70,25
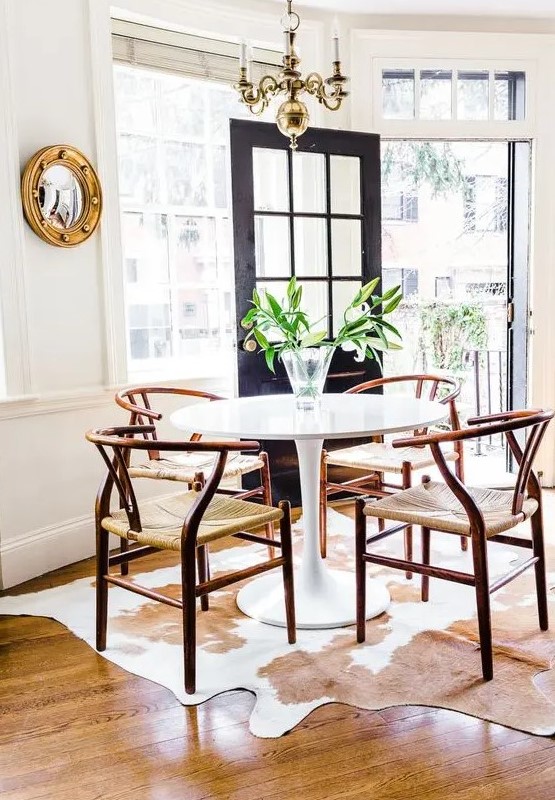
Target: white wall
x,y
59,330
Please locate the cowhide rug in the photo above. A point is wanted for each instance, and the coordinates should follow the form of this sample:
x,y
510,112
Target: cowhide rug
x,y
416,653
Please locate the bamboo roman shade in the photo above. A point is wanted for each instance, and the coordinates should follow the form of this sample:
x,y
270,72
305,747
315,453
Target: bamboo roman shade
x,y
194,56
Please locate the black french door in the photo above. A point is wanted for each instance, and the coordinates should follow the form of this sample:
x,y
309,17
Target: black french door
x,y
313,213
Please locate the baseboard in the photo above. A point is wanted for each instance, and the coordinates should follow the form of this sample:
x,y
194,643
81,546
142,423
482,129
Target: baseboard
x,y
45,549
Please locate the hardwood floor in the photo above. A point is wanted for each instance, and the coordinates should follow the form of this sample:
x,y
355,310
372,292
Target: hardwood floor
x,y
76,727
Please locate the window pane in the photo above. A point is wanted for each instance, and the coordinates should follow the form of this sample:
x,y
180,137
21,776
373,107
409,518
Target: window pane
x,y
150,330
272,247
223,106
138,173
145,248
473,95
509,99
309,183
342,294
220,168
271,179
311,247
435,94
182,108
135,93
345,184
195,250
398,94
346,247
198,318
186,174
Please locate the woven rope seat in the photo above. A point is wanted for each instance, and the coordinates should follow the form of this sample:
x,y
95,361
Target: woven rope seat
x,y
183,467
382,457
434,506
162,520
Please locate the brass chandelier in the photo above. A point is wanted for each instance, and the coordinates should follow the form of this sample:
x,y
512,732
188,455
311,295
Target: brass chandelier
x,y
292,116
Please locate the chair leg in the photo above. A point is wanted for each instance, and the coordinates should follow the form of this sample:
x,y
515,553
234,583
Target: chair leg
x,y
124,566
203,567
425,590
323,505
360,568
288,581
189,620
539,567
267,499
479,557
407,483
102,568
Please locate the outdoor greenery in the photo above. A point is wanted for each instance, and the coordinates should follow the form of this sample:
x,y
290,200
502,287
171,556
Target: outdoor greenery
x,y
281,326
417,162
447,329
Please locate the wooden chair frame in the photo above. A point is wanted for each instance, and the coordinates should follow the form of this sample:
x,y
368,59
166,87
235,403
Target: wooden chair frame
x,y
128,399
122,440
371,484
527,484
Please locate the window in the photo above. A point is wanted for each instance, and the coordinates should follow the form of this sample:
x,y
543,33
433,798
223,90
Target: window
x,y
401,207
485,204
404,277
174,174
447,94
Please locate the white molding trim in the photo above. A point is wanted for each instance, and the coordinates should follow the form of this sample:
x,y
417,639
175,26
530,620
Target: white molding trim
x,y
46,549
37,405
13,289
115,352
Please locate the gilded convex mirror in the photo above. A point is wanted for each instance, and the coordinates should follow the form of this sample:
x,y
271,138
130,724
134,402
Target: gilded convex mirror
x,y
61,195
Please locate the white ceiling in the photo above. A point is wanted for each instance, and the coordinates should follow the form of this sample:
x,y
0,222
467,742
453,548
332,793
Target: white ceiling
x,y
486,8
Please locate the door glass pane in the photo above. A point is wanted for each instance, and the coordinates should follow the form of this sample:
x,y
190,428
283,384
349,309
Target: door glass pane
x,y
342,294
272,246
346,246
309,183
315,303
451,262
435,94
345,184
398,94
311,247
271,179
279,290
473,95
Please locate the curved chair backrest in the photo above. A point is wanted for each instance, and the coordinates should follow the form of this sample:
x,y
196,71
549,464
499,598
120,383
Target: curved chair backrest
x,y
534,421
442,388
136,400
121,440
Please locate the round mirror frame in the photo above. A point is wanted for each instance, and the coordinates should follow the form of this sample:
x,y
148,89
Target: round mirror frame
x,y
87,179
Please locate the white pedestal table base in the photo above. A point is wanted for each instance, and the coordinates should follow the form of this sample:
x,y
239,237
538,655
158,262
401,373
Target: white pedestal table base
x,y
331,603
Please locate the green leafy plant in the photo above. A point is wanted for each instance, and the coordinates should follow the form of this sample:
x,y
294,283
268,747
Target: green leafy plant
x,y
449,328
281,326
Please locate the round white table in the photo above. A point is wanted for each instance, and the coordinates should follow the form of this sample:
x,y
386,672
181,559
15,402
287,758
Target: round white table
x,y
324,598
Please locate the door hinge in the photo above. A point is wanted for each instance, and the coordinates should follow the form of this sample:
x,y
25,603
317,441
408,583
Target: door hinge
x,y
510,312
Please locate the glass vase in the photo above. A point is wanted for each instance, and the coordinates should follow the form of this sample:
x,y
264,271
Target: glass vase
x,y
307,370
